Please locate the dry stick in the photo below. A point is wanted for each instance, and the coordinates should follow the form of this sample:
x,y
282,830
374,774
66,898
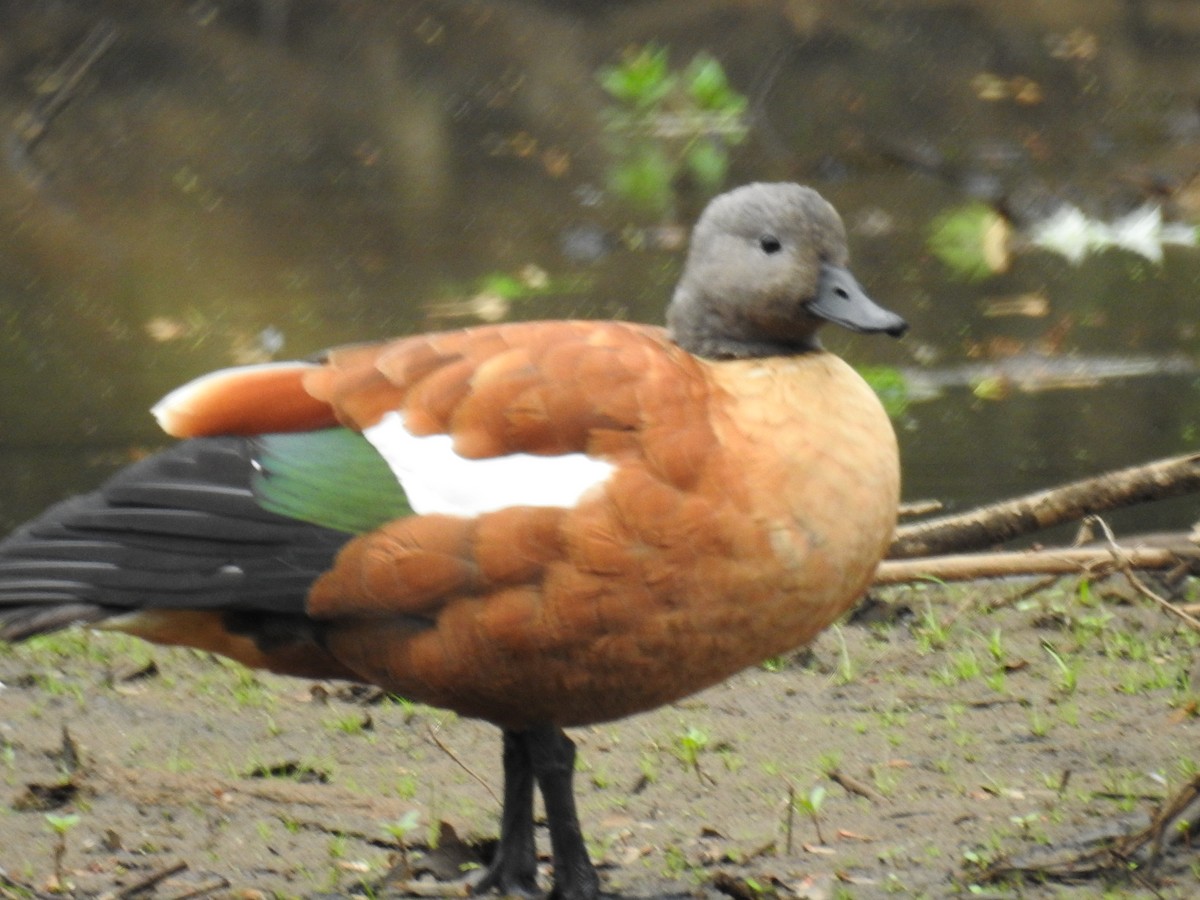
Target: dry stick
x,y
1170,811
151,880
969,566
462,765
218,884
1115,855
853,786
919,508
435,889
31,126
989,525
1123,563
791,818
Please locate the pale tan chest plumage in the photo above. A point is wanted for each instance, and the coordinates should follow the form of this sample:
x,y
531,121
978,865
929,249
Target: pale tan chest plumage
x,y
821,466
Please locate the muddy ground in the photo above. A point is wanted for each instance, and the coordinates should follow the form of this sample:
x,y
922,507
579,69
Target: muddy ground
x,y
945,735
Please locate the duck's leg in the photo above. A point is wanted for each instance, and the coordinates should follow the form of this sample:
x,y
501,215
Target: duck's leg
x,y
513,869
552,754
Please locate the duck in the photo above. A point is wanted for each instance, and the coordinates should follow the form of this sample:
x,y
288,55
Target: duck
x,y
544,525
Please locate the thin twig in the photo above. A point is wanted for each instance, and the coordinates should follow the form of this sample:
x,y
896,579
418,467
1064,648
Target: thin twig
x,y
434,889
1001,564
462,765
920,508
1120,555
853,785
1131,855
218,884
31,126
791,818
152,879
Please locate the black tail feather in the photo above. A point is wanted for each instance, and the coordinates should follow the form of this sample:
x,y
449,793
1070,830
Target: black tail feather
x,y
178,530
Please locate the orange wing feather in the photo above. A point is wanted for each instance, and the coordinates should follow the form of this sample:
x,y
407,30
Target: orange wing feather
x,y
246,401
538,387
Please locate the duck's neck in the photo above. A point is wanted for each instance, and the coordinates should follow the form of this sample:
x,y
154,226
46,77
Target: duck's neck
x,y
714,332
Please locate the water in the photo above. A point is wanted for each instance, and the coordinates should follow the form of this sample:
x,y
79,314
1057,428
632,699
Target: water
x,y
231,181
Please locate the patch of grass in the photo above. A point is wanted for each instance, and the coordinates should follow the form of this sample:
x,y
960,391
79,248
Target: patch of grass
x,y
689,746
995,646
178,762
885,780
929,631
1039,723
1069,713
352,722
406,785
962,666
1068,669
648,767
1122,788
845,666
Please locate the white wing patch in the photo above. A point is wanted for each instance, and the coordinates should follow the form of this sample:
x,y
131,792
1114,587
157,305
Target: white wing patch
x,y
438,480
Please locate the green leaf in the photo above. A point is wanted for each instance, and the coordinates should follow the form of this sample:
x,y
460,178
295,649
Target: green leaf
x,y
504,285
890,385
644,179
641,80
709,87
664,124
333,478
708,161
961,238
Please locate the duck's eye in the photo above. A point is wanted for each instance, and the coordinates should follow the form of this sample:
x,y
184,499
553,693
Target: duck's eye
x,y
769,243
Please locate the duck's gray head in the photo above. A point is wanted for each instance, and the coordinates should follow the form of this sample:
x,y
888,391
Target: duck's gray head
x,y
765,269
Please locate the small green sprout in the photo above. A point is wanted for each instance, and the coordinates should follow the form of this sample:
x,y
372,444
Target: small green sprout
x,y
399,831
689,746
60,825
1068,673
810,805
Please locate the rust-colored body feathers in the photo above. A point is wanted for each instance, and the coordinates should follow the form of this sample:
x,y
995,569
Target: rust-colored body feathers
x,y
751,503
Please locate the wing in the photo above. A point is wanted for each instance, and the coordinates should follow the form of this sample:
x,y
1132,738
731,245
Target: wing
x,y
547,388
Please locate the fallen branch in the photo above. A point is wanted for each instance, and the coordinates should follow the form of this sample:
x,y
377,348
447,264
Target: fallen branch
x,y
1000,564
1127,568
150,881
1124,855
999,522
919,508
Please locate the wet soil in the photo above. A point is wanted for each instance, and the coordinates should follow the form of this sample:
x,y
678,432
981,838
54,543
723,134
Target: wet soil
x,y
934,736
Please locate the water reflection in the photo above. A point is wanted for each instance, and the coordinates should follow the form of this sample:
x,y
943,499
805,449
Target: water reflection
x,y
320,173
